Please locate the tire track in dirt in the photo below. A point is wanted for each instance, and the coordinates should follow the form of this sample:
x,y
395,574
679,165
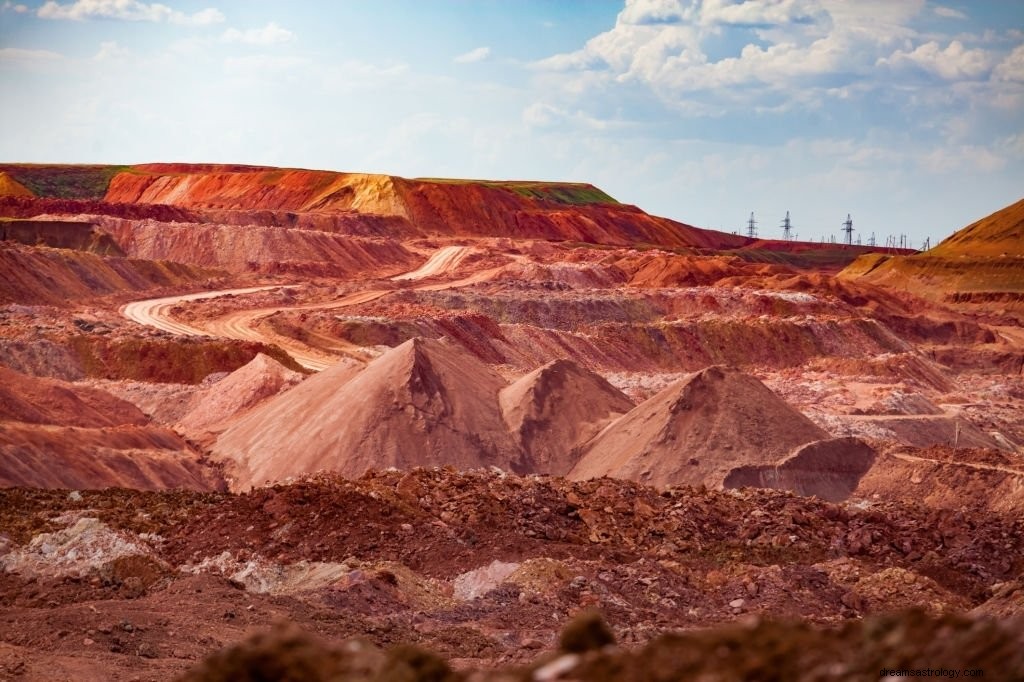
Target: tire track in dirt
x,y
243,325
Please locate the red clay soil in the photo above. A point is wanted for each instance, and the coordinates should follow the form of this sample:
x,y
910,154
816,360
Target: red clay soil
x,y
401,544
454,208
979,268
139,457
696,430
35,400
422,403
9,187
215,408
555,409
49,276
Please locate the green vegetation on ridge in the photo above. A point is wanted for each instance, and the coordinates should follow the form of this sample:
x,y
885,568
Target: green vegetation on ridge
x,y
64,181
571,193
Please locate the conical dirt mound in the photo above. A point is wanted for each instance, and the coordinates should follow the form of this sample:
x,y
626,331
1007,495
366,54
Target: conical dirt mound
x,y
217,407
696,431
555,408
423,403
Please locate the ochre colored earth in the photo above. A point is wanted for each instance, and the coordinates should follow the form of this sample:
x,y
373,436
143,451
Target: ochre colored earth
x,y
457,414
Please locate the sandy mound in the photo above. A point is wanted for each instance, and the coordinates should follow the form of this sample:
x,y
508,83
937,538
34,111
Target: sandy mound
x,y
696,431
9,187
830,469
423,403
144,458
554,409
34,400
212,410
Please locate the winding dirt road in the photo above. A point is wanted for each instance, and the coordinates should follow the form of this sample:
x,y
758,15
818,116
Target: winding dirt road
x,y
243,325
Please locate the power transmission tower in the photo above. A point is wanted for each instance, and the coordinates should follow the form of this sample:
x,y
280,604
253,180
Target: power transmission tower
x,y
848,229
927,244
787,228
871,241
751,226
858,239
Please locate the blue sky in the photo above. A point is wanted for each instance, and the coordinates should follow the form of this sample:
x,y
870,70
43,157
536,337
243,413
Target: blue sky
x,y
907,114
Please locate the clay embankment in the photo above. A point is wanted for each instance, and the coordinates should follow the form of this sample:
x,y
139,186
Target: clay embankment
x,y
980,268
59,435
524,210
32,275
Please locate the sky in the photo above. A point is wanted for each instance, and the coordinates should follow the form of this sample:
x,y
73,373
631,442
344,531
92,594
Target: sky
x,y
907,115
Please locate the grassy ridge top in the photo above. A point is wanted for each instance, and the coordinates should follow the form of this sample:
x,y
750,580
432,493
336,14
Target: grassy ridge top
x,y
572,193
63,181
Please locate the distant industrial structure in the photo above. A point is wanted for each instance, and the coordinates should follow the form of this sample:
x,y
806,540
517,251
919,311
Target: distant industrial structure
x,y
787,228
848,229
752,226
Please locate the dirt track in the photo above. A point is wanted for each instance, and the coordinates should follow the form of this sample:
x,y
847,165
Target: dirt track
x,y
242,325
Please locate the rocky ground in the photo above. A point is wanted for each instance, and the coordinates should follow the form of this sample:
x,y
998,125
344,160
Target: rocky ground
x,y
482,567
524,331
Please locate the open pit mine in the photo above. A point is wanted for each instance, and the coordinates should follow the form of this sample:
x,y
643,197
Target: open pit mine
x,y
265,423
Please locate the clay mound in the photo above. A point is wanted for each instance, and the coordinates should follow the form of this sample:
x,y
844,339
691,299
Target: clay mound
x,y
554,409
696,431
979,268
212,410
39,275
143,458
999,233
829,469
423,403
9,187
35,400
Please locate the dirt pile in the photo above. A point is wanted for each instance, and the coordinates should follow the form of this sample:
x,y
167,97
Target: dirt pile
x,y
829,469
140,457
422,403
35,400
554,409
40,275
215,408
696,431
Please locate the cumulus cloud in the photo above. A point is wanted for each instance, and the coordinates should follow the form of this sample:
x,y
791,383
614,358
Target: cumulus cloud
x,y
767,13
1011,68
17,54
127,10
953,63
111,51
948,12
476,55
271,34
9,6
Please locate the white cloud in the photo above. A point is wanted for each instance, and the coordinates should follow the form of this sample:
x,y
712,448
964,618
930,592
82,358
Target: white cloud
x,y
1011,68
948,12
766,13
953,63
271,34
111,51
476,55
128,10
9,6
544,115
644,12
17,54
959,159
